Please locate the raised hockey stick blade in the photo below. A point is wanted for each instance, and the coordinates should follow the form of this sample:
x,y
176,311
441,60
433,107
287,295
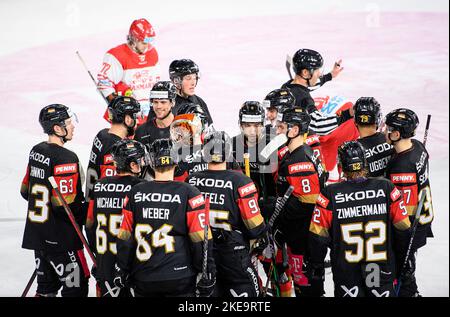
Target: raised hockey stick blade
x,y
72,218
273,145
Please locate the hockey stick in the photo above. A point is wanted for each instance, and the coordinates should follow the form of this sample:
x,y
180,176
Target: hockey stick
x,y
411,240
72,219
278,207
288,65
92,77
416,218
205,241
273,145
427,127
30,282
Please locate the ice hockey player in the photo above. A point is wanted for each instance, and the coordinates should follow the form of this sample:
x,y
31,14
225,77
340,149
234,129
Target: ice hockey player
x,y
307,66
184,73
252,140
131,69
365,223
123,114
105,211
162,99
234,217
408,169
272,103
368,119
312,139
303,170
60,261
160,242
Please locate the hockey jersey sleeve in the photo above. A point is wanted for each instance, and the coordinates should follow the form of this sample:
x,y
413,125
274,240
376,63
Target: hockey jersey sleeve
x,y
110,74
90,226
126,245
304,178
68,178
400,220
25,183
196,218
249,209
319,235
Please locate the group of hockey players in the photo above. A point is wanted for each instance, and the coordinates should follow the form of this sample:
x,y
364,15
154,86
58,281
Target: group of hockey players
x,y
173,207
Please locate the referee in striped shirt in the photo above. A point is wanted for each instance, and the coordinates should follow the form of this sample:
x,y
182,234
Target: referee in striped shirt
x,y
307,65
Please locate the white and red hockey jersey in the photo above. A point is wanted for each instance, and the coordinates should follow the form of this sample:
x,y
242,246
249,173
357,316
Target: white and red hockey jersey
x,y
124,68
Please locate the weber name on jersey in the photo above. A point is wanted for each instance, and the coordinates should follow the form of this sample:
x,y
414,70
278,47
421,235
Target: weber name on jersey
x,y
162,231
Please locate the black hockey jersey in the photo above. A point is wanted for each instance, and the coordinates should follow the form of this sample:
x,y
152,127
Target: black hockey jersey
x,y
409,171
100,160
261,171
190,160
104,218
362,222
48,227
149,132
305,172
234,214
162,232
378,153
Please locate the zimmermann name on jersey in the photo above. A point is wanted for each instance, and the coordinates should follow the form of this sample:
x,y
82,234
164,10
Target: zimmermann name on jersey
x,y
360,210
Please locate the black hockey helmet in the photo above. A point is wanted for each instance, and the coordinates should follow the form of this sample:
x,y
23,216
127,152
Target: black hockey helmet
x,y
402,120
180,68
251,112
295,116
279,98
121,106
217,147
195,109
306,59
367,111
162,153
352,156
163,90
51,115
126,151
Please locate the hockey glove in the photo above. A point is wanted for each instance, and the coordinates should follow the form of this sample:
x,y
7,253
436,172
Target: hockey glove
x,y
261,244
120,277
205,286
316,276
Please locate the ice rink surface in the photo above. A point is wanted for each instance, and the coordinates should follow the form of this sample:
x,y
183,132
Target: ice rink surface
x,y
396,51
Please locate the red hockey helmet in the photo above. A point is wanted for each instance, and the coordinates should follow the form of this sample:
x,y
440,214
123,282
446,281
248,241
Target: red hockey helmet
x,y
142,30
